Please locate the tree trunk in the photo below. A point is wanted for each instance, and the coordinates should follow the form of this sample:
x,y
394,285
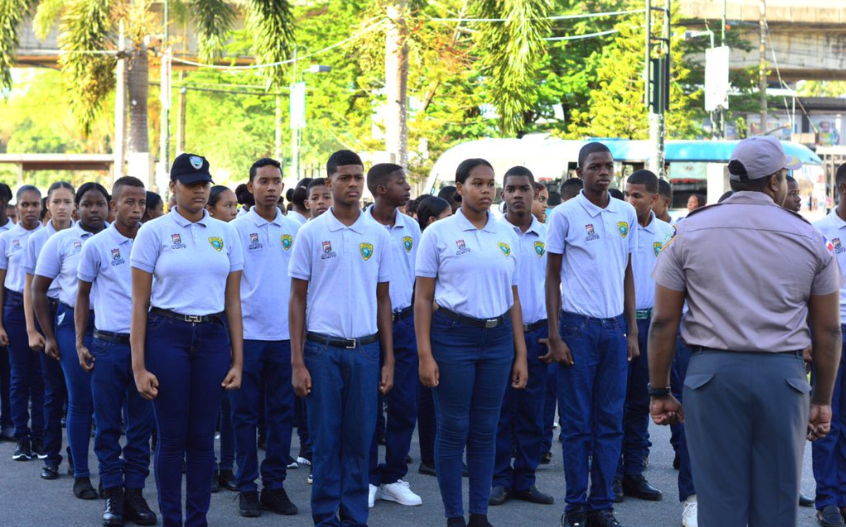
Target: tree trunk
x,y
396,83
138,72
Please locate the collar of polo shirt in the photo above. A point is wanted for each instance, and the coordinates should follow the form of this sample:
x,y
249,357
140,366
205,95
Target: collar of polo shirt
x,y
535,227
398,219
118,237
259,221
749,198
593,210
182,221
335,225
650,227
465,225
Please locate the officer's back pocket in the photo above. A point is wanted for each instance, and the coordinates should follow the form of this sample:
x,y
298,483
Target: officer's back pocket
x,y
697,381
798,384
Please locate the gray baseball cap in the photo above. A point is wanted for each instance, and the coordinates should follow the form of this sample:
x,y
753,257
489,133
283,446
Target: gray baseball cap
x,y
761,156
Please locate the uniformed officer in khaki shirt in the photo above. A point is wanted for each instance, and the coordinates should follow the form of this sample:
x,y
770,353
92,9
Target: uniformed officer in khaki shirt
x,y
751,273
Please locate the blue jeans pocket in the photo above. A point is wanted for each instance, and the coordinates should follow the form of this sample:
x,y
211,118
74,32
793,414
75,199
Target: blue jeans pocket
x,y
313,350
569,331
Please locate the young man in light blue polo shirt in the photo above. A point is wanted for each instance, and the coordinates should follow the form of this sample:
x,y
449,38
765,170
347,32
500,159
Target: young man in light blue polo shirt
x,y
391,192
340,269
520,428
652,234
267,238
104,270
589,280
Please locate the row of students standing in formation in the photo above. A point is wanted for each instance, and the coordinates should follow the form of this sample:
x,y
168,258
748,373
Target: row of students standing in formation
x,y
368,307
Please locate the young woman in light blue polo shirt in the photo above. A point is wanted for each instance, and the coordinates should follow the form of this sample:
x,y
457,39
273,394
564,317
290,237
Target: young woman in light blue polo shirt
x,y
182,355
58,261
466,264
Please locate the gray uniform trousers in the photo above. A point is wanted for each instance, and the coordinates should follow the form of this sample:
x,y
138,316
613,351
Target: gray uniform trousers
x,y
746,418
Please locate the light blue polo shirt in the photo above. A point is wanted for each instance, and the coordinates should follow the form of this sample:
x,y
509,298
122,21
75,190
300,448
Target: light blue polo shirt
x,y
12,245
59,260
33,250
405,237
189,262
474,268
834,229
650,240
7,226
342,265
531,269
297,217
595,244
265,285
105,263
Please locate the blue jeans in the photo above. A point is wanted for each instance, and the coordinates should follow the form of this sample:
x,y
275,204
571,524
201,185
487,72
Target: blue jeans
x,y
426,424
402,409
301,419
829,453
27,383
591,394
520,426
550,402
190,362
267,375
227,434
78,381
677,376
636,444
113,388
474,365
55,396
341,419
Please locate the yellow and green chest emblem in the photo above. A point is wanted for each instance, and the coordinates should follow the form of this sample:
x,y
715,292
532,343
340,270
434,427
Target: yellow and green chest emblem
x,y
408,243
217,243
366,250
657,247
624,228
505,248
287,241
540,248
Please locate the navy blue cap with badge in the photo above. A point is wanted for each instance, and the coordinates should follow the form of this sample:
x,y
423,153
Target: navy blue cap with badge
x,y
190,168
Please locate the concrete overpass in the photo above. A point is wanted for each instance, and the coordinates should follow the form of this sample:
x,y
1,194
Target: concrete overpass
x,y
808,37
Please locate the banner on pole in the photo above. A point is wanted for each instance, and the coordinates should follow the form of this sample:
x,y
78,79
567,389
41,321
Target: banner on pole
x,y
717,78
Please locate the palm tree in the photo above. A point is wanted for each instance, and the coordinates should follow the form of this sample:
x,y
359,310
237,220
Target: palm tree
x,y
87,40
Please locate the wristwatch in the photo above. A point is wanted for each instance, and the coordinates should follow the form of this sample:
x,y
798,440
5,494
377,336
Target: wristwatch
x,y
657,392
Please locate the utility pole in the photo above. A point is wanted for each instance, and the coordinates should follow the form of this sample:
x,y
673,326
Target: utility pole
x,y
657,84
120,105
396,83
762,66
183,111
166,74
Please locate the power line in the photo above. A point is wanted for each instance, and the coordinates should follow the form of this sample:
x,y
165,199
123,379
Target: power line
x,y
580,37
556,17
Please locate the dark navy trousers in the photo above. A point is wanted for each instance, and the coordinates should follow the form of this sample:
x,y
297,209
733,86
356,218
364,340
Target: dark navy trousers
x,y
341,419
591,395
190,362
113,389
27,383
829,453
426,425
55,396
78,381
677,376
5,387
520,429
266,376
402,409
227,434
635,447
474,365
550,403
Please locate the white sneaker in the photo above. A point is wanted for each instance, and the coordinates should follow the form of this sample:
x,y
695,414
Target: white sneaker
x,y
401,493
690,513
303,461
371,499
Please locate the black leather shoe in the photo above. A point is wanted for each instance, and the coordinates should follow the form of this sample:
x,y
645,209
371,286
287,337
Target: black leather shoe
x,y
617,489
533,495
546,458
248,505
805,501
113,514
215,484
226,480
602,518
499,495
277,500
83,489
479,520
49,472
638,487
830,517
457,521
135,508
576,518
427,468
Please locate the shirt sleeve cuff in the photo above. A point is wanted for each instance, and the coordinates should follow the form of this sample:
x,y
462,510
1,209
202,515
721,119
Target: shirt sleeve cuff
x,y
143,266
427,274
299,276
86,277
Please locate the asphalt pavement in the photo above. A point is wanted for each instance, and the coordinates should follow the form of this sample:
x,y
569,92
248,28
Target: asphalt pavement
x,y
27,500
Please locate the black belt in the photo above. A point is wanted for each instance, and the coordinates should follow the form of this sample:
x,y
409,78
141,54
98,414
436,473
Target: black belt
x,y
215,318
396,316
484,323
338,342
536,326
108,336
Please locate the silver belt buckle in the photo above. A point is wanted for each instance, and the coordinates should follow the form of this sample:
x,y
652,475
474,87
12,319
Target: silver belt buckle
x,y
194,319
354,344
491,323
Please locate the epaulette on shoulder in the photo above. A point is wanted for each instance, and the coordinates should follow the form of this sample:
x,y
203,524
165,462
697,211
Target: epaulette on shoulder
x,y
797,215
706,207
